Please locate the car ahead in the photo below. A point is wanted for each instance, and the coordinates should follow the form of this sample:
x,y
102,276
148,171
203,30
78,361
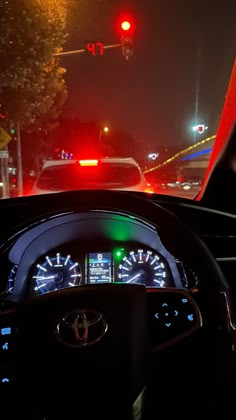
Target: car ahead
x,y
106,173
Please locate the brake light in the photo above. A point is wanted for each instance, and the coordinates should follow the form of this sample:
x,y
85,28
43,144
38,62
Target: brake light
x,y
88,162
149,190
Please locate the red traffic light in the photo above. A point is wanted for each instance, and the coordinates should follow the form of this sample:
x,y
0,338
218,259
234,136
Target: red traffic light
x,y
125,25
200,129
126,30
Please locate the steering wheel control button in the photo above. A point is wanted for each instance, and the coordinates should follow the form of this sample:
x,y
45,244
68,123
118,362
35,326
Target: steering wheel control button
x,y
5,380
6,330
172,315
81,328
6,341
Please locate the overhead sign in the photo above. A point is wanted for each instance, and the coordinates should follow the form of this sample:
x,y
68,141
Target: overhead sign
x,y
5,137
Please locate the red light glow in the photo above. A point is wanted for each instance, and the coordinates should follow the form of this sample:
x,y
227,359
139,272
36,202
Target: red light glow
x,y
125,25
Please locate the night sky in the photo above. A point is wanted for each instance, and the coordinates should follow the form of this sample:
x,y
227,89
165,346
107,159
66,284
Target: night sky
x,y
183,56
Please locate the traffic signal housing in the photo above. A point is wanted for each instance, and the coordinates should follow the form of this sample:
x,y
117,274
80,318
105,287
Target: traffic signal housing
x,y
127,29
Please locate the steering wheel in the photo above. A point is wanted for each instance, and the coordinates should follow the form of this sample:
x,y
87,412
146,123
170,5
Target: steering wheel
x,y
87,351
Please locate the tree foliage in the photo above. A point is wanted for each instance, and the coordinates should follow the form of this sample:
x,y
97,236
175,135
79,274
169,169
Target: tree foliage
x,y
32,87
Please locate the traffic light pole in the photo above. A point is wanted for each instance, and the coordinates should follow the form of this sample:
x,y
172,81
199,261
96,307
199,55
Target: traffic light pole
x,y
83,50
19,161
4,172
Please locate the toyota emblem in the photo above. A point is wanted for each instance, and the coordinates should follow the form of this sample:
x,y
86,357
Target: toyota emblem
x,y
81,328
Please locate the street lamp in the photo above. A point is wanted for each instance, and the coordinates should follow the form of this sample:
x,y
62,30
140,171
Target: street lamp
x,y
104,129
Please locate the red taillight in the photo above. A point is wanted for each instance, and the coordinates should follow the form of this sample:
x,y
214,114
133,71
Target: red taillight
x,y
88,162
149,190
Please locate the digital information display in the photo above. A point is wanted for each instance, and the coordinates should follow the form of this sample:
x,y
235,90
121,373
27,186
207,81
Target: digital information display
x,y
100,267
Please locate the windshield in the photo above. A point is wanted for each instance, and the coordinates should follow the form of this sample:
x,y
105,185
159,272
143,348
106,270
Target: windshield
x,y
101,79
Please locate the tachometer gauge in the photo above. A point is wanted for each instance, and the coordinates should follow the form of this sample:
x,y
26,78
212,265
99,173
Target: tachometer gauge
x,y
56,272
144,267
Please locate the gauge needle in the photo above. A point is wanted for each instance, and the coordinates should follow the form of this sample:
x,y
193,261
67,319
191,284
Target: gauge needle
x,y
44,278
39,287
133,278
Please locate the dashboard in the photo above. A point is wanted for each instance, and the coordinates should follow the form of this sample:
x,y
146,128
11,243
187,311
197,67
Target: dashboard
x,y
60,257
95,247
68,267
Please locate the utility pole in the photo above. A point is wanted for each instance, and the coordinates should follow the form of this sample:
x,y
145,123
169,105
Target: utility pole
x,y
19,161
4,156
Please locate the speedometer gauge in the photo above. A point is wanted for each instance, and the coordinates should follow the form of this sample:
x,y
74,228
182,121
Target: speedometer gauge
x,y
144,267
56,272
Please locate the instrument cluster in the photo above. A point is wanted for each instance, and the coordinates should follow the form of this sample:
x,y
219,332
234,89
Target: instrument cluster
x,y
67,267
